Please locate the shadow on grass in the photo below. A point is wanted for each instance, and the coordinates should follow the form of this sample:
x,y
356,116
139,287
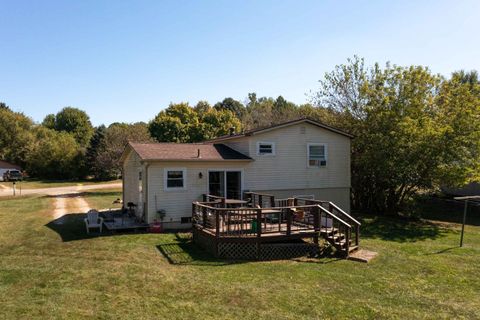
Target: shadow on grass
x,y
182,251
398,229
71,227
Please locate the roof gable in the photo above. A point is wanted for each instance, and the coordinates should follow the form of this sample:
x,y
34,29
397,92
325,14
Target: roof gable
x,y
282,125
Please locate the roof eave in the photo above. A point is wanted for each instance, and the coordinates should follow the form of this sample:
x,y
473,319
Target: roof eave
x,y
279,126
197,160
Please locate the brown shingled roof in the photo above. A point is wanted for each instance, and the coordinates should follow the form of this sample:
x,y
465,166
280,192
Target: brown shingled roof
x,y
8,165
186,151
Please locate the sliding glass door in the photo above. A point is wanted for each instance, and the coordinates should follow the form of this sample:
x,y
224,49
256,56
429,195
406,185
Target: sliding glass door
x,y
225,184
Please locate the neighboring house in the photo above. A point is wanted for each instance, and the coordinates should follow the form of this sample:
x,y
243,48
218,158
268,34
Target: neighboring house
x,y
300,157
6,166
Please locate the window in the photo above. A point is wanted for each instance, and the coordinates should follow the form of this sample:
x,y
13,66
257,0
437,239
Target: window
x,y
317,155
266,148
174,178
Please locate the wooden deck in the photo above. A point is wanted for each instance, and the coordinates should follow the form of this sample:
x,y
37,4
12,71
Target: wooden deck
x,y
232,232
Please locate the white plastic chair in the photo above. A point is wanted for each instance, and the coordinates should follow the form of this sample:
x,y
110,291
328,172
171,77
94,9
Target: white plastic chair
x,y
93,220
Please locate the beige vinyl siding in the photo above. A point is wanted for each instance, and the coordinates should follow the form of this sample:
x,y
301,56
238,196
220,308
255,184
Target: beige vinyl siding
x,y
241,145
131,167
178,203
288,168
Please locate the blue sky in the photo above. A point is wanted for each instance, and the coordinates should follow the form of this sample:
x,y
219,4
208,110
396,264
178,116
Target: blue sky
x,y
127,60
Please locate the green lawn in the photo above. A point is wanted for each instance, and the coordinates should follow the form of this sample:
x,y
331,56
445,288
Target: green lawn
x,y
103,199
39,184
55,271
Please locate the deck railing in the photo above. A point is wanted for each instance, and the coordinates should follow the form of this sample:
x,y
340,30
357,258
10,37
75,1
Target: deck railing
x,y
262,200
337,211
263,222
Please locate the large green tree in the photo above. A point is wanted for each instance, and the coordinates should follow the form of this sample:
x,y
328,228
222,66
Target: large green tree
x,y
215,123
16,136
232,105
413,130
74,121
55,155
108,144
182,123
177,123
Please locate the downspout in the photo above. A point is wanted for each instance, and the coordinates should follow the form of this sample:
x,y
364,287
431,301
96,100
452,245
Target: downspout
x,y
123,187
145,206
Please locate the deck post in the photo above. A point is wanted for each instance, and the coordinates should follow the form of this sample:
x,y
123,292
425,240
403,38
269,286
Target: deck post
x,y
347,240
204,197
316,219
316,224
357,234
260,200
193,212
217,224
289,202
224,205
259,232
217,231
289,221
204,217
272,201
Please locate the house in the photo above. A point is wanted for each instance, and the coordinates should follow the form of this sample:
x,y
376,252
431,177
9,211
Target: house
x,y
6,166
296,158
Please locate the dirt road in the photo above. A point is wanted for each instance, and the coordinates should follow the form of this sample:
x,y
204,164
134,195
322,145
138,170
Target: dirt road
x,y
69,203
60,190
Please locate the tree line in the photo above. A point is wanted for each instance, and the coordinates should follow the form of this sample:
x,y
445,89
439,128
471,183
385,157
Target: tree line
x,y
414,131
65,145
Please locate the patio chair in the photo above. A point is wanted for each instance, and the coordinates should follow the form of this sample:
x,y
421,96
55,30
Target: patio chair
x,y
93,221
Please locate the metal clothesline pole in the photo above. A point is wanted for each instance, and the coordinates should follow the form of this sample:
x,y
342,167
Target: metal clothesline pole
x,y
465,209
463,222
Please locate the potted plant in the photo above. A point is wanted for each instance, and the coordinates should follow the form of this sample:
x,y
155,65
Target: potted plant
x,y
157,226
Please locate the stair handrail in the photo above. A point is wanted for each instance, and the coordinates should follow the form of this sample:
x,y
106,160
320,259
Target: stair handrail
x,y
349,217
334,216
344,213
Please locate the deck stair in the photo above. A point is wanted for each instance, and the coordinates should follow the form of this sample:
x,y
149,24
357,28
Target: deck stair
x,y
338,240
337,227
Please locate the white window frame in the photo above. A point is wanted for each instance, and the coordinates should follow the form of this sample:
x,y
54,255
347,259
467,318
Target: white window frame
x,y
325,146
165,179
266,154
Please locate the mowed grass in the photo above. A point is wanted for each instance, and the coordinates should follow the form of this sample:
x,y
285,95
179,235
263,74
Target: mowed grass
x,y
57,272
103,199
40,184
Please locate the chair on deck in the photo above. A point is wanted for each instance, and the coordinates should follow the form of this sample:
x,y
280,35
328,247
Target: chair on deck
x,y
93,221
